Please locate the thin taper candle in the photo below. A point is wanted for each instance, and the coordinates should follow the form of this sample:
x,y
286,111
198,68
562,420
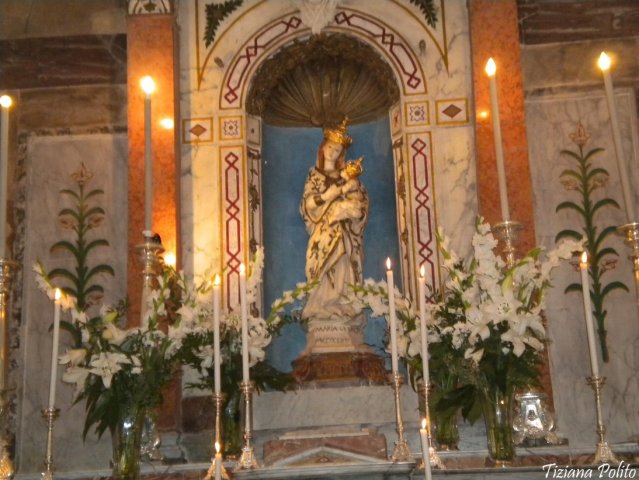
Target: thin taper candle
x,y
392,316
216,334
422,324
5,103
585,286
244,315
604,65
491,69
423,435
148,86
218,462
54,351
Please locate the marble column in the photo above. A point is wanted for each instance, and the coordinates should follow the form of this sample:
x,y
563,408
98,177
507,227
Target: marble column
x,y
494,32
151,50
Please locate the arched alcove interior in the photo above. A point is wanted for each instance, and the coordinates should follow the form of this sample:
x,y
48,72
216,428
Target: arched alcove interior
x,y
304,87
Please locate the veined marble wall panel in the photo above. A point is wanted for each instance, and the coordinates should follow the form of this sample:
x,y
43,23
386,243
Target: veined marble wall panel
x,y
49,163
551,119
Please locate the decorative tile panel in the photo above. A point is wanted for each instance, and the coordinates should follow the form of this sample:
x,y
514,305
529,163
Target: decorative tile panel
x,y
452,112
233,214
231,128
149,7
197,130
422,197
416,114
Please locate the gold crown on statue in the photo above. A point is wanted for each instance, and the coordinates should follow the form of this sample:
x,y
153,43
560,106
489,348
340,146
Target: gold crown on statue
x,y
339,134
354,168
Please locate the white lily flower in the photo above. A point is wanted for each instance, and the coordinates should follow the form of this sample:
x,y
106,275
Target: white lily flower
x,y
73,357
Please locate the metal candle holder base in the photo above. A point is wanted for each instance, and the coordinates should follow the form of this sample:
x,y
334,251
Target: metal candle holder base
x,y
603,454
247,459
149,252
401,453
507,232
218,400
631,232
433,457
49,414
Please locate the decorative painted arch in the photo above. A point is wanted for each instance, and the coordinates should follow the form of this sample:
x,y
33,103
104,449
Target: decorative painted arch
x,y
240,162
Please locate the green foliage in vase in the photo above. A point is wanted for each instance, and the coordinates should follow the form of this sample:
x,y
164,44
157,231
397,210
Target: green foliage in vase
x,y
584,179
429,10
215,13
82,218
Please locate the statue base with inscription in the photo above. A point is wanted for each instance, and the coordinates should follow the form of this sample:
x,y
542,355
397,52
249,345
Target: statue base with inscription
x,y
339,366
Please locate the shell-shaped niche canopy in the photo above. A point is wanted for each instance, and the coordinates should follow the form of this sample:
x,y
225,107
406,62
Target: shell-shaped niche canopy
x,y
319,81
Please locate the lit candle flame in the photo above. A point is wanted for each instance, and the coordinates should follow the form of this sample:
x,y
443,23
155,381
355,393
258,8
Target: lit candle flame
x,y
217,447
242,269
167,123
148,85
424,423
170,259
217,281
388,263
584,258
5,101
491,68
58,294
422,271
604,61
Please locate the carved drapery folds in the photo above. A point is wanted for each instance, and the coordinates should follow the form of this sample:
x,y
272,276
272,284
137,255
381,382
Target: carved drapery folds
x,y
320,80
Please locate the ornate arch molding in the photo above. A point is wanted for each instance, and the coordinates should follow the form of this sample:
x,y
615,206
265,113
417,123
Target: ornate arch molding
x,y
240,153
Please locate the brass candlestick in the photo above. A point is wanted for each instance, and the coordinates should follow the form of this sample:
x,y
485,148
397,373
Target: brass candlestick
x,y
603,453
433,457
401,453
631,232
7,268
50,414
247,460
507,232
218,400
149,252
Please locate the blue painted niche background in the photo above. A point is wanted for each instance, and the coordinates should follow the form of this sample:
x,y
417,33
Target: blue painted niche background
x,y
287,156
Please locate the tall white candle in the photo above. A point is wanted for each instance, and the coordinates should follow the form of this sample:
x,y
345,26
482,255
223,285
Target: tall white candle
x,y
244,314
216,334
423,435
585,287
393,320
54,351
5,103
604,65
422,324
491,69
148,86
218,462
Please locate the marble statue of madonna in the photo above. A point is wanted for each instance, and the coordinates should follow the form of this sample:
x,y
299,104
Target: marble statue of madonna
x,y
334,208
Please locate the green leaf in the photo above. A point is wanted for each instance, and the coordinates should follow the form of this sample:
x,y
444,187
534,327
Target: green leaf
x,y
603,252
571,154
570,173
97,191
63,273
66,245
606,232
70,212
74,331
570,205
592,152
100,242
614,286
568,233
102,268
602,203
573,287
596,171
66,191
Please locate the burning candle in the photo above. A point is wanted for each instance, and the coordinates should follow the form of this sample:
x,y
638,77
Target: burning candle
x,y
244,314
423,435
422,323
585,287
393,319
5,103
491,69
216,334
148,86
604,65
218,462
54,351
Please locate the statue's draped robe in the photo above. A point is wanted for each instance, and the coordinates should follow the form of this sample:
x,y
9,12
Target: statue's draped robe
x,y
335,251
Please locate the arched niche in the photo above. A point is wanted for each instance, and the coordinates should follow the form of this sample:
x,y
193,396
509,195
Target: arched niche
x,y
241,163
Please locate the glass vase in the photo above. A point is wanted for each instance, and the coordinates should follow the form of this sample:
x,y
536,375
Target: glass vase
x,y
497,407
127,440
231,425
445,431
